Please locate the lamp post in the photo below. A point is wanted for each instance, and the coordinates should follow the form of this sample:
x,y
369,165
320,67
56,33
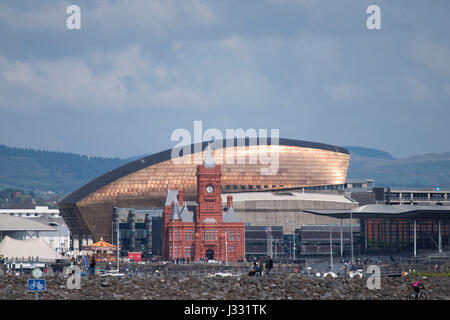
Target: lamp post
x,y
331,251
173,242
118,244
351,236
269,241
415,241
293,235
226,248
294,248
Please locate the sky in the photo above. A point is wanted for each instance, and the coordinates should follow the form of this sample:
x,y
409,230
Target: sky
x,y
137,71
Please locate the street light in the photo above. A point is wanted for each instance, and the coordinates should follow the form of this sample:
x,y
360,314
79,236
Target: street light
x,y
293,233
269,241
226,248
294,244
173,242
351,236
331,251
118,243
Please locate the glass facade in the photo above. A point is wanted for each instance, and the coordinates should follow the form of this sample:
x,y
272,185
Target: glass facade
x,y
315,239
261,242
397,235
139,230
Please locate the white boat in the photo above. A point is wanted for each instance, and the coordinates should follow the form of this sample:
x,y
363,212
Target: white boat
x,y
112,273
224,274
334,275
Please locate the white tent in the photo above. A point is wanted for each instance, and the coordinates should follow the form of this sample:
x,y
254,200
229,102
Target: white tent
x,y
11,248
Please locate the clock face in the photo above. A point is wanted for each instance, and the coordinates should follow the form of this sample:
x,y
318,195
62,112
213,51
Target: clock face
x,y
209,188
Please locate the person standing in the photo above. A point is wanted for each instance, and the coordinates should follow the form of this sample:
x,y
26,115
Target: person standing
x,y
269,264
260,266
92,266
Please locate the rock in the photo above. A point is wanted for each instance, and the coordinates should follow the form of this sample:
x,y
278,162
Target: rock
x,y
275,287
326,295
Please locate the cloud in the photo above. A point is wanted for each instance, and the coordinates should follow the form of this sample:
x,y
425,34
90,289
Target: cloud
x,y
17,72
210,76
153,16
418,89
436,57
148,66
74,82
300,3
345,91
43,17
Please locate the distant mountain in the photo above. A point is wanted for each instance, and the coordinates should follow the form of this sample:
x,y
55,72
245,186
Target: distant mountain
x,y
59,172
422,171
369,153
130,159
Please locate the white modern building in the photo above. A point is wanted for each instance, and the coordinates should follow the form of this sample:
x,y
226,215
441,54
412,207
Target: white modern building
x,y
37,212
40,222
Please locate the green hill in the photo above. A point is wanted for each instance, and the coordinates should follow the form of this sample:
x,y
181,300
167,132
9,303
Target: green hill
x,y
59,172
369,153
425,171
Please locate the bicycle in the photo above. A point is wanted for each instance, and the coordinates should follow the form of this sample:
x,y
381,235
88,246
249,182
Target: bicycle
x,y
418,296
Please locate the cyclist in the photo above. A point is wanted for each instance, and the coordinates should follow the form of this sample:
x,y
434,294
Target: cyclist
x,y
417,287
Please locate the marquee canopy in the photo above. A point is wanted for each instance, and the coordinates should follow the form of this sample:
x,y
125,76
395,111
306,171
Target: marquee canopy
x,y
36,248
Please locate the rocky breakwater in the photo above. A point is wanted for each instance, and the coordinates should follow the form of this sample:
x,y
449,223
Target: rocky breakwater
x,y
284,287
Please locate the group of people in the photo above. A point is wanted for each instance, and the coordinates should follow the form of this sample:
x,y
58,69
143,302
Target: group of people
x,y
90,268
260,267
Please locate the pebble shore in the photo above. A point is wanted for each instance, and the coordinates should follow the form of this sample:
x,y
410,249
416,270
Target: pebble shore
x,y
278,287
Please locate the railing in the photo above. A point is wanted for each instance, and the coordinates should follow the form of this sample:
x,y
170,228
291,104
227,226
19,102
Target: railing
x,y
32,260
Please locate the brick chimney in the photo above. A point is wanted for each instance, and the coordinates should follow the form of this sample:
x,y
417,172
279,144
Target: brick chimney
x,y
180,198
229,201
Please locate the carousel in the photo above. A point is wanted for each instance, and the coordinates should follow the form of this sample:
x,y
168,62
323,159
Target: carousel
x,y
102,251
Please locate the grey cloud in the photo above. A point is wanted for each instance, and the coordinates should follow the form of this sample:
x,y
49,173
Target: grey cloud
x,y
435,56
139,69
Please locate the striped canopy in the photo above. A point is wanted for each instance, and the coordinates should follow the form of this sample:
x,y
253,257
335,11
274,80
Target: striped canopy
x,y
101,245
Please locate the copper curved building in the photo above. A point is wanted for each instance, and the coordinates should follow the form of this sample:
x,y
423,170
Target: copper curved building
x,y
144,182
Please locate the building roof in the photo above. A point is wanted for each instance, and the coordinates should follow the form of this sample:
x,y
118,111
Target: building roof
x,y
165,155
175,212
286,195
358,180
389,211
12,248
37,209
230,216
140,214
11,223
172,196
186,215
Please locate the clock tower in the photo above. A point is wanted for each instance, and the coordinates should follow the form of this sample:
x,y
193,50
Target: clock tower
x,y
208,190
211,232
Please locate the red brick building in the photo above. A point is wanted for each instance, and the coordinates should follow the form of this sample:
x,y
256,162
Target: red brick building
x,y
205,230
